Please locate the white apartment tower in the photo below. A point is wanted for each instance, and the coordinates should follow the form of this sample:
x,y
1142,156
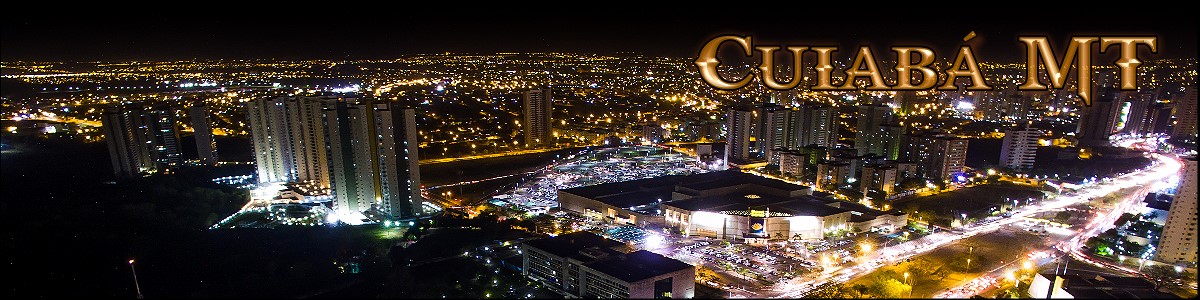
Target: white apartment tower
x,y
373,158
1019,148
288,134
1178,241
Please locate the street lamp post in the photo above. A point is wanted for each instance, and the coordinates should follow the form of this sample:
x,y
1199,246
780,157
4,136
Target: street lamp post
x,y
910,287
136,285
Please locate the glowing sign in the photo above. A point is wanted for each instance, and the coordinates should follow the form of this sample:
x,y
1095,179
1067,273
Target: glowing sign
x,y
758,214
707,219
1124,117
758,226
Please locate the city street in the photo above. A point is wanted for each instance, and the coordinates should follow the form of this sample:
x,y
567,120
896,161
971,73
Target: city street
x,y
1166,167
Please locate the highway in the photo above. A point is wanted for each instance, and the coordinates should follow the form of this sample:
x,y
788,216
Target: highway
x,y
508,153
1101,221
1166,167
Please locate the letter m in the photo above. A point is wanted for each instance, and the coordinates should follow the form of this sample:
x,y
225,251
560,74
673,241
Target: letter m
x,y
1079,49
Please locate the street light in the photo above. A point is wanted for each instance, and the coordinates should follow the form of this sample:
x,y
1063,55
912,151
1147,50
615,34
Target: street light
x,y
1013,277
910,288
136,285
1027,265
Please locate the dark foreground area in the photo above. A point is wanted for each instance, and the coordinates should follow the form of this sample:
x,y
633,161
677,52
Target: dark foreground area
x,y
70,230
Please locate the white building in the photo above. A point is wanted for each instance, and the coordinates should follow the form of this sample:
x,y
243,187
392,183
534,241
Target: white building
x,y
1019,148
288,135
1178,241
373,158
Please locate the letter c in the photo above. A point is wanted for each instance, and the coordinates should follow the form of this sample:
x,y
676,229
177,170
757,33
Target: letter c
x,y
707,62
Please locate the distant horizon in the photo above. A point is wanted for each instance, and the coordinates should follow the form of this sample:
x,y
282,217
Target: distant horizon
x,y
668,33
615,54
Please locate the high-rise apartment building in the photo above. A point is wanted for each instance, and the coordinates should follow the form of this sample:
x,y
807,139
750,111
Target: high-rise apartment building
x,y
948,157
352,164
141,141
878,177
737,135
821,129
871,137
537,120
399,166
1133,117
769,128
164,138
288,136
1019,148
792,163
777,131
1185,115
373,158
206,146
1158,118
1100,120
1178,241
894,143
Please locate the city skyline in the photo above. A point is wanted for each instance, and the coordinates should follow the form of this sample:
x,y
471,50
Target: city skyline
x,y
649,32
529,154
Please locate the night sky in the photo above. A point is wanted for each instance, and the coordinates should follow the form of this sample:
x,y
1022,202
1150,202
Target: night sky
x,y
232,34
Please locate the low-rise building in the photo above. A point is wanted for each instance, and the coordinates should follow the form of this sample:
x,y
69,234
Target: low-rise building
x,y
586,265
1088,285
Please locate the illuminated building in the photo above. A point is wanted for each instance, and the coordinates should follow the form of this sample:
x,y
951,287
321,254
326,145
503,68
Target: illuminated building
x,y
1185,115
737,136
288,135
373,158
871,137
948,157
820,129
769,127
792,163
880,178
1136,112
537,120
1019,148
773,130
1158,118
691,203
140,141
206,146
585,265
305,118
832,174
1100,120
652,133
894,144
801,126
164,137
400,175
1179,236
